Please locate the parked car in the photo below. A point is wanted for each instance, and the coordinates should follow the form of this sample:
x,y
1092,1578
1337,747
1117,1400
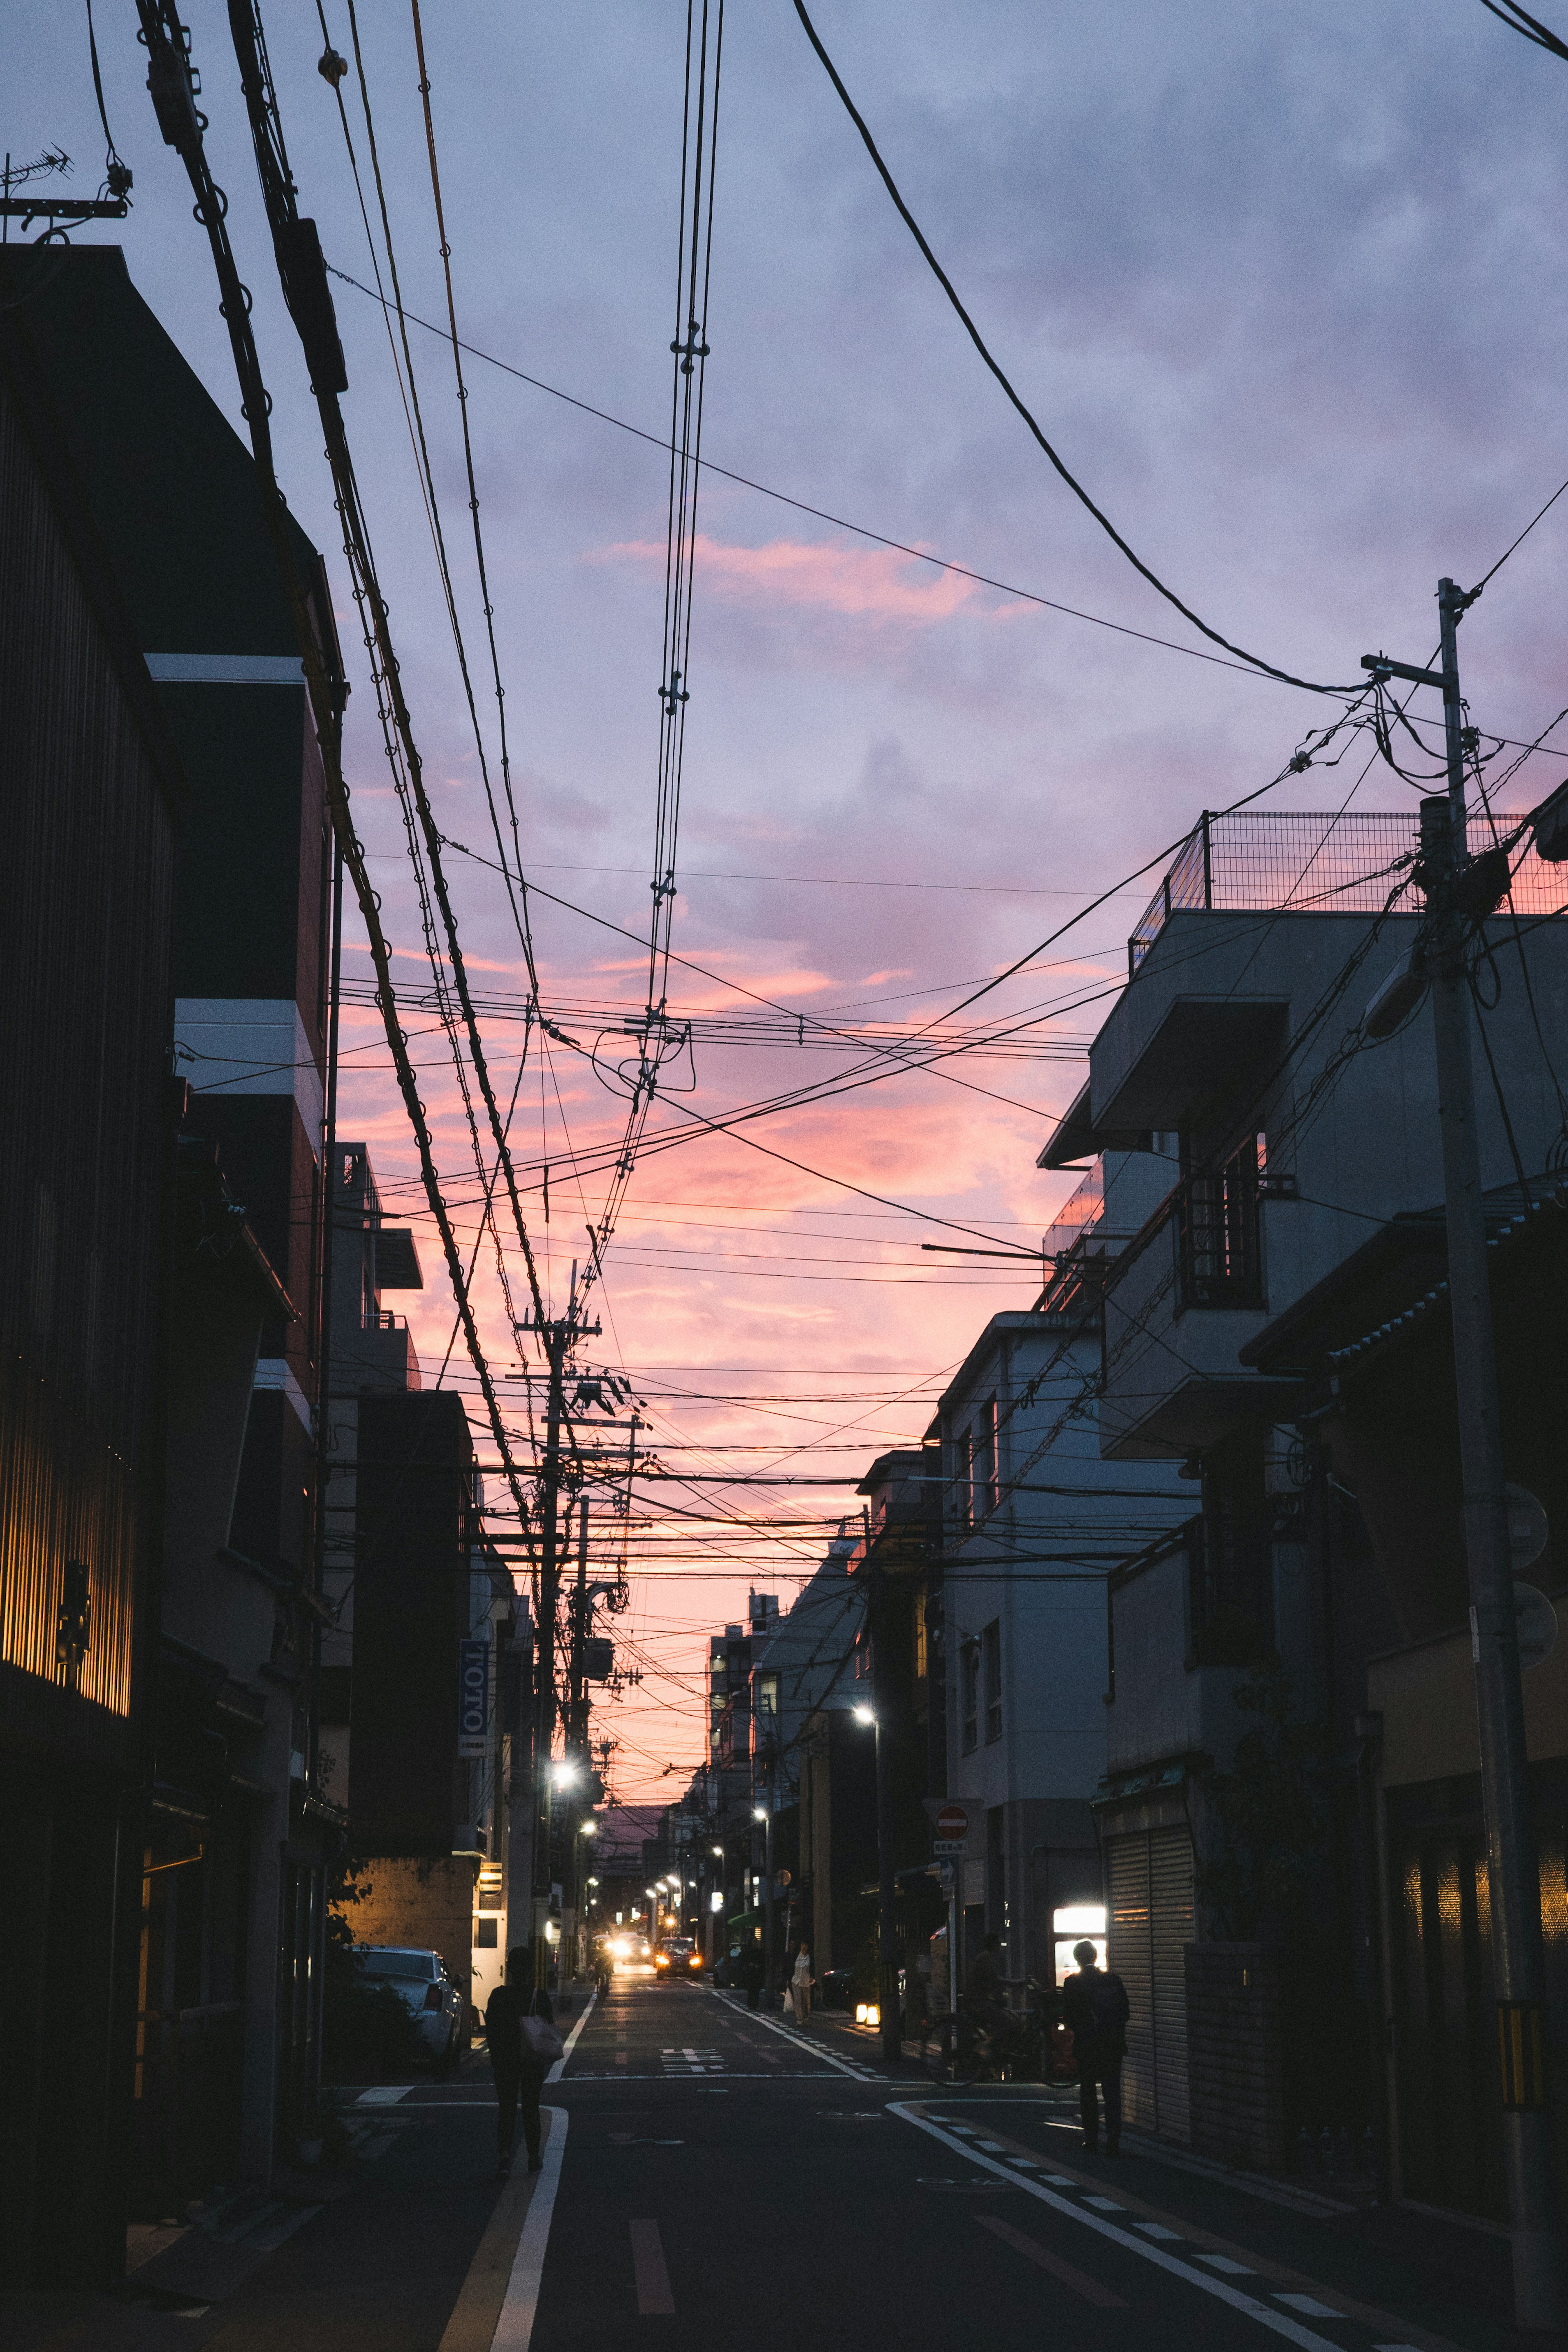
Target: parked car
x,y
836,1988
432,1998
678,1958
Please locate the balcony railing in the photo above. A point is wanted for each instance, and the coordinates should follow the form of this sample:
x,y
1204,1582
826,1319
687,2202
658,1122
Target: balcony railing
x,y
1078,1216
1318,862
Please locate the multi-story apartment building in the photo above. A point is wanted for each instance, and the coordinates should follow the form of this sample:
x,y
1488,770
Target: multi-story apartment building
x,y
1032,1522
1290,1227
94,799
238,1848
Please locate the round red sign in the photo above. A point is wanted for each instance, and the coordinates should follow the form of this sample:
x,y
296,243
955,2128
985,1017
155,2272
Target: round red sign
x,y
952,1821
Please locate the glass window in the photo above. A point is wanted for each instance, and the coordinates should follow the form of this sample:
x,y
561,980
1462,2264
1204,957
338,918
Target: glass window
x,y
970,1686
963,1474
381,1962
992,1644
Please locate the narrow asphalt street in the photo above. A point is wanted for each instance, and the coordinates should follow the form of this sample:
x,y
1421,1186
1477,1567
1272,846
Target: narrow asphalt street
x,y
707,2163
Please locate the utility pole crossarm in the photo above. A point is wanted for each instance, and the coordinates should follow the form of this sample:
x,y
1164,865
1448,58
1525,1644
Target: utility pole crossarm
x,y
1380,666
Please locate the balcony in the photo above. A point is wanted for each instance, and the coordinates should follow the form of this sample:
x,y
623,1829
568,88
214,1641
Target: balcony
x,y
1315,862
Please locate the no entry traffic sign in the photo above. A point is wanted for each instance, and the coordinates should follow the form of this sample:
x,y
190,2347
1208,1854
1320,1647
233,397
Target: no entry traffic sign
x,y
952,1821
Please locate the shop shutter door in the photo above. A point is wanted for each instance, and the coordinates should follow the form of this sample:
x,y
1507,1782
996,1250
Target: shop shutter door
x,y
1129,1956
1170,1912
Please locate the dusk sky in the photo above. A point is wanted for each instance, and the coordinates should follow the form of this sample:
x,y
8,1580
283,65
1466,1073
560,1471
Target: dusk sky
x,y
1287,288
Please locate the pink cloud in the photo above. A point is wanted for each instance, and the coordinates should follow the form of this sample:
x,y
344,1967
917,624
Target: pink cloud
x,y
870,583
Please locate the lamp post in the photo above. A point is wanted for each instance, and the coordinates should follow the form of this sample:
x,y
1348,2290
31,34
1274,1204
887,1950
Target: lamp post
x,y
886,1934
764,1813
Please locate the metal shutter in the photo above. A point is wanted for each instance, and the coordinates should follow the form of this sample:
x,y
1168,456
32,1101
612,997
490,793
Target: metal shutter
x,y
1130,1957
1170,1908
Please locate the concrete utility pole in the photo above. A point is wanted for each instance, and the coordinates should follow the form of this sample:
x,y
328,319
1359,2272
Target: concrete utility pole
x,y
1539,2277
557,1338
877,1599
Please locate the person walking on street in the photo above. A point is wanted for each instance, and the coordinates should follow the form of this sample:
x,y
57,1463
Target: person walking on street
x,y
801,1984
1094,2005
519,2075
753,1972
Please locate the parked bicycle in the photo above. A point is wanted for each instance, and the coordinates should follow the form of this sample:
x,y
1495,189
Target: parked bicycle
x,y
995,2046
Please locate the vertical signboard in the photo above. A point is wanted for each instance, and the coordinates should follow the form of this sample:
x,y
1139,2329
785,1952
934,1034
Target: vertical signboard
x,y
473,1699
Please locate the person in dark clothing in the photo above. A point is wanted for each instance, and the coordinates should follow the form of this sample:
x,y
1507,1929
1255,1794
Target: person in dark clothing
x,y
519,2075
1094,2005
753,1972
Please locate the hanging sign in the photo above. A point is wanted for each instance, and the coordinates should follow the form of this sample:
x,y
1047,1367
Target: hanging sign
x,y
474,1700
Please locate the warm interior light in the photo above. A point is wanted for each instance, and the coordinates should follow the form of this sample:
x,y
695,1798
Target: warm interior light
x,y
1079,1919
873,2013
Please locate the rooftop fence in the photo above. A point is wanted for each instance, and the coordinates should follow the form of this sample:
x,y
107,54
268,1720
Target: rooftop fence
x,y
1317,863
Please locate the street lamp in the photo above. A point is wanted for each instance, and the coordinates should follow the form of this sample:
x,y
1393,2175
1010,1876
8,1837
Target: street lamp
x,y
764,1813
886,1933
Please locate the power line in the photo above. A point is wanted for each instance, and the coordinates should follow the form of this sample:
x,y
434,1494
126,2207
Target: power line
x,y
1254,660
819,514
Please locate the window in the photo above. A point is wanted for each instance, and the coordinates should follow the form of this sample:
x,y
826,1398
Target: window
x,y
1216,1236
970,1690
992,1646
922,1655
963,1460
985,1488
484,1934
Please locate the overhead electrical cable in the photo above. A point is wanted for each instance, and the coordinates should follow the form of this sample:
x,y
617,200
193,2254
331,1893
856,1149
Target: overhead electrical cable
x,y
659,1041
310,300
1519,20
408,386
823,514
172,83
1255,661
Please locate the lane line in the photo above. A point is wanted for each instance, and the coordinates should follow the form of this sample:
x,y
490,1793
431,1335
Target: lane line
x,y
472,2325
1275,2321
515,2324
384,2094
554,2074
654,2297
1089,2288
797,2041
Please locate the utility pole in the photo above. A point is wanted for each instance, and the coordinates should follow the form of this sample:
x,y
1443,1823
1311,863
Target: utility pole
x,y
1518,1960
557,1338
887,1886
766,1818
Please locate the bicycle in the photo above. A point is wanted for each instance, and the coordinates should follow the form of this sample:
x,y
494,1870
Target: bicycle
x,y
1009,2047
954,2049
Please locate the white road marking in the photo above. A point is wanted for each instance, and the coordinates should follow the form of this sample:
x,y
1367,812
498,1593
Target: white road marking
x,y
1310,2305
1104,2204
1275,2321
554,2074
1157,2229
515,2327
1223,2262
840,2064
384,2094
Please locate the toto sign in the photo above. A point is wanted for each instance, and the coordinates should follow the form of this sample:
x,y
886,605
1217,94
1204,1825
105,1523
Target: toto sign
x,y
472,1698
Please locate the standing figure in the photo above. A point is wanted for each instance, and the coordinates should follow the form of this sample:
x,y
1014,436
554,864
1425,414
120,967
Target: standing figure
x,y
753,1972
519,2075
800,1985
1095,2004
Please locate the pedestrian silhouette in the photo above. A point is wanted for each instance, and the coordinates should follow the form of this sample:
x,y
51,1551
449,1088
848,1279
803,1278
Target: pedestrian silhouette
x,y
1095,2004
519,2075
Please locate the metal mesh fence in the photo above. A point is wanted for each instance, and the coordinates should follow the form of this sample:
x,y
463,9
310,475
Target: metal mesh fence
x,y
1320,863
